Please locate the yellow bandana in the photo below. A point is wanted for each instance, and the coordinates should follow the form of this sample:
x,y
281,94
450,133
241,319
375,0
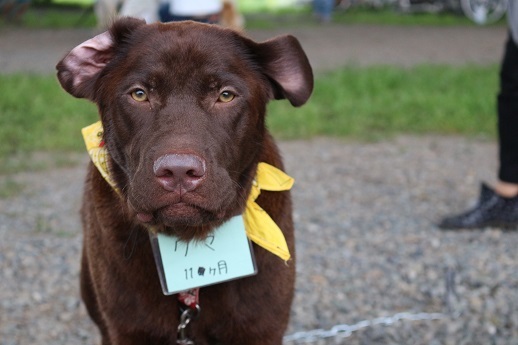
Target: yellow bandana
x,y
259,226
93,136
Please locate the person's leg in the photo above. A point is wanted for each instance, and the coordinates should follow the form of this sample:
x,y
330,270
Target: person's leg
x,y
323,9
499,206
506,189
328,9
508,122
163,13
317,7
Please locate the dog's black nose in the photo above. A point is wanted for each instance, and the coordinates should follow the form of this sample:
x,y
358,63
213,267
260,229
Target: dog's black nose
x,y
179,172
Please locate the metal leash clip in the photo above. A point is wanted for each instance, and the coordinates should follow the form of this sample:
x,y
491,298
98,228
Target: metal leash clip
x,y
187,316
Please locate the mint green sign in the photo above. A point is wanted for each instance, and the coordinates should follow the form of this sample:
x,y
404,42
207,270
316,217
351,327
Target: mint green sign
x,y
223,256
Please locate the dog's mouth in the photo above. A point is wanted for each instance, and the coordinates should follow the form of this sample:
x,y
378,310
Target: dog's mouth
x,y
181,219
178,212
184,214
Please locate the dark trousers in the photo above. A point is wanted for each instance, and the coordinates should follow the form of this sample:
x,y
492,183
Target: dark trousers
x,y
508,114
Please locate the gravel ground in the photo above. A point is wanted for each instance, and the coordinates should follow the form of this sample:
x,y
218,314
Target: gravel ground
x,y
365,213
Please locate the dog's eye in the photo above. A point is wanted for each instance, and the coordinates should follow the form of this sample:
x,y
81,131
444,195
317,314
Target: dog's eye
x,y
226,96
139,95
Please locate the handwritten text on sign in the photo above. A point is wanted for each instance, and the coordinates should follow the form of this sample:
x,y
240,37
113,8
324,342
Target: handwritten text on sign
x,y
222,256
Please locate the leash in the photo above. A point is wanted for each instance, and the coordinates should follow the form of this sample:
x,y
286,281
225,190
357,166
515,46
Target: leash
x,y
190,300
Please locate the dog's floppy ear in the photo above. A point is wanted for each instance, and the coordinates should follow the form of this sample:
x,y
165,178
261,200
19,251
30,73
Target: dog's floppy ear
x,y
287,67
79,69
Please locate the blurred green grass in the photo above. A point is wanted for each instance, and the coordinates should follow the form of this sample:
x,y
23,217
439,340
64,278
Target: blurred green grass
x,y
377,102
302,16
259,15
38,115
369,103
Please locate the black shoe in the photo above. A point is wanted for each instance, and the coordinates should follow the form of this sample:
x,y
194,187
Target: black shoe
x,y
492,210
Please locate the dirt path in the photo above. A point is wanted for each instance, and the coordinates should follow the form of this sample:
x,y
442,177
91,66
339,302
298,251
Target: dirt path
x,y
327,46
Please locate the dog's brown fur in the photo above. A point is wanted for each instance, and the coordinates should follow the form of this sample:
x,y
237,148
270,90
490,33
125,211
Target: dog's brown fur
x,y
183,68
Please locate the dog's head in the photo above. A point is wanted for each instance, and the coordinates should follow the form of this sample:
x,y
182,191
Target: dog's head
x,y
182,106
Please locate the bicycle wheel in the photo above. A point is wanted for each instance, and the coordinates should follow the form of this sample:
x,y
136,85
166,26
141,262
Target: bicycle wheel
x,y
484,11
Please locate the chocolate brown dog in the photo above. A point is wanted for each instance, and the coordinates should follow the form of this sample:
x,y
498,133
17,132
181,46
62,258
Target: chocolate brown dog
x,y
183,111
